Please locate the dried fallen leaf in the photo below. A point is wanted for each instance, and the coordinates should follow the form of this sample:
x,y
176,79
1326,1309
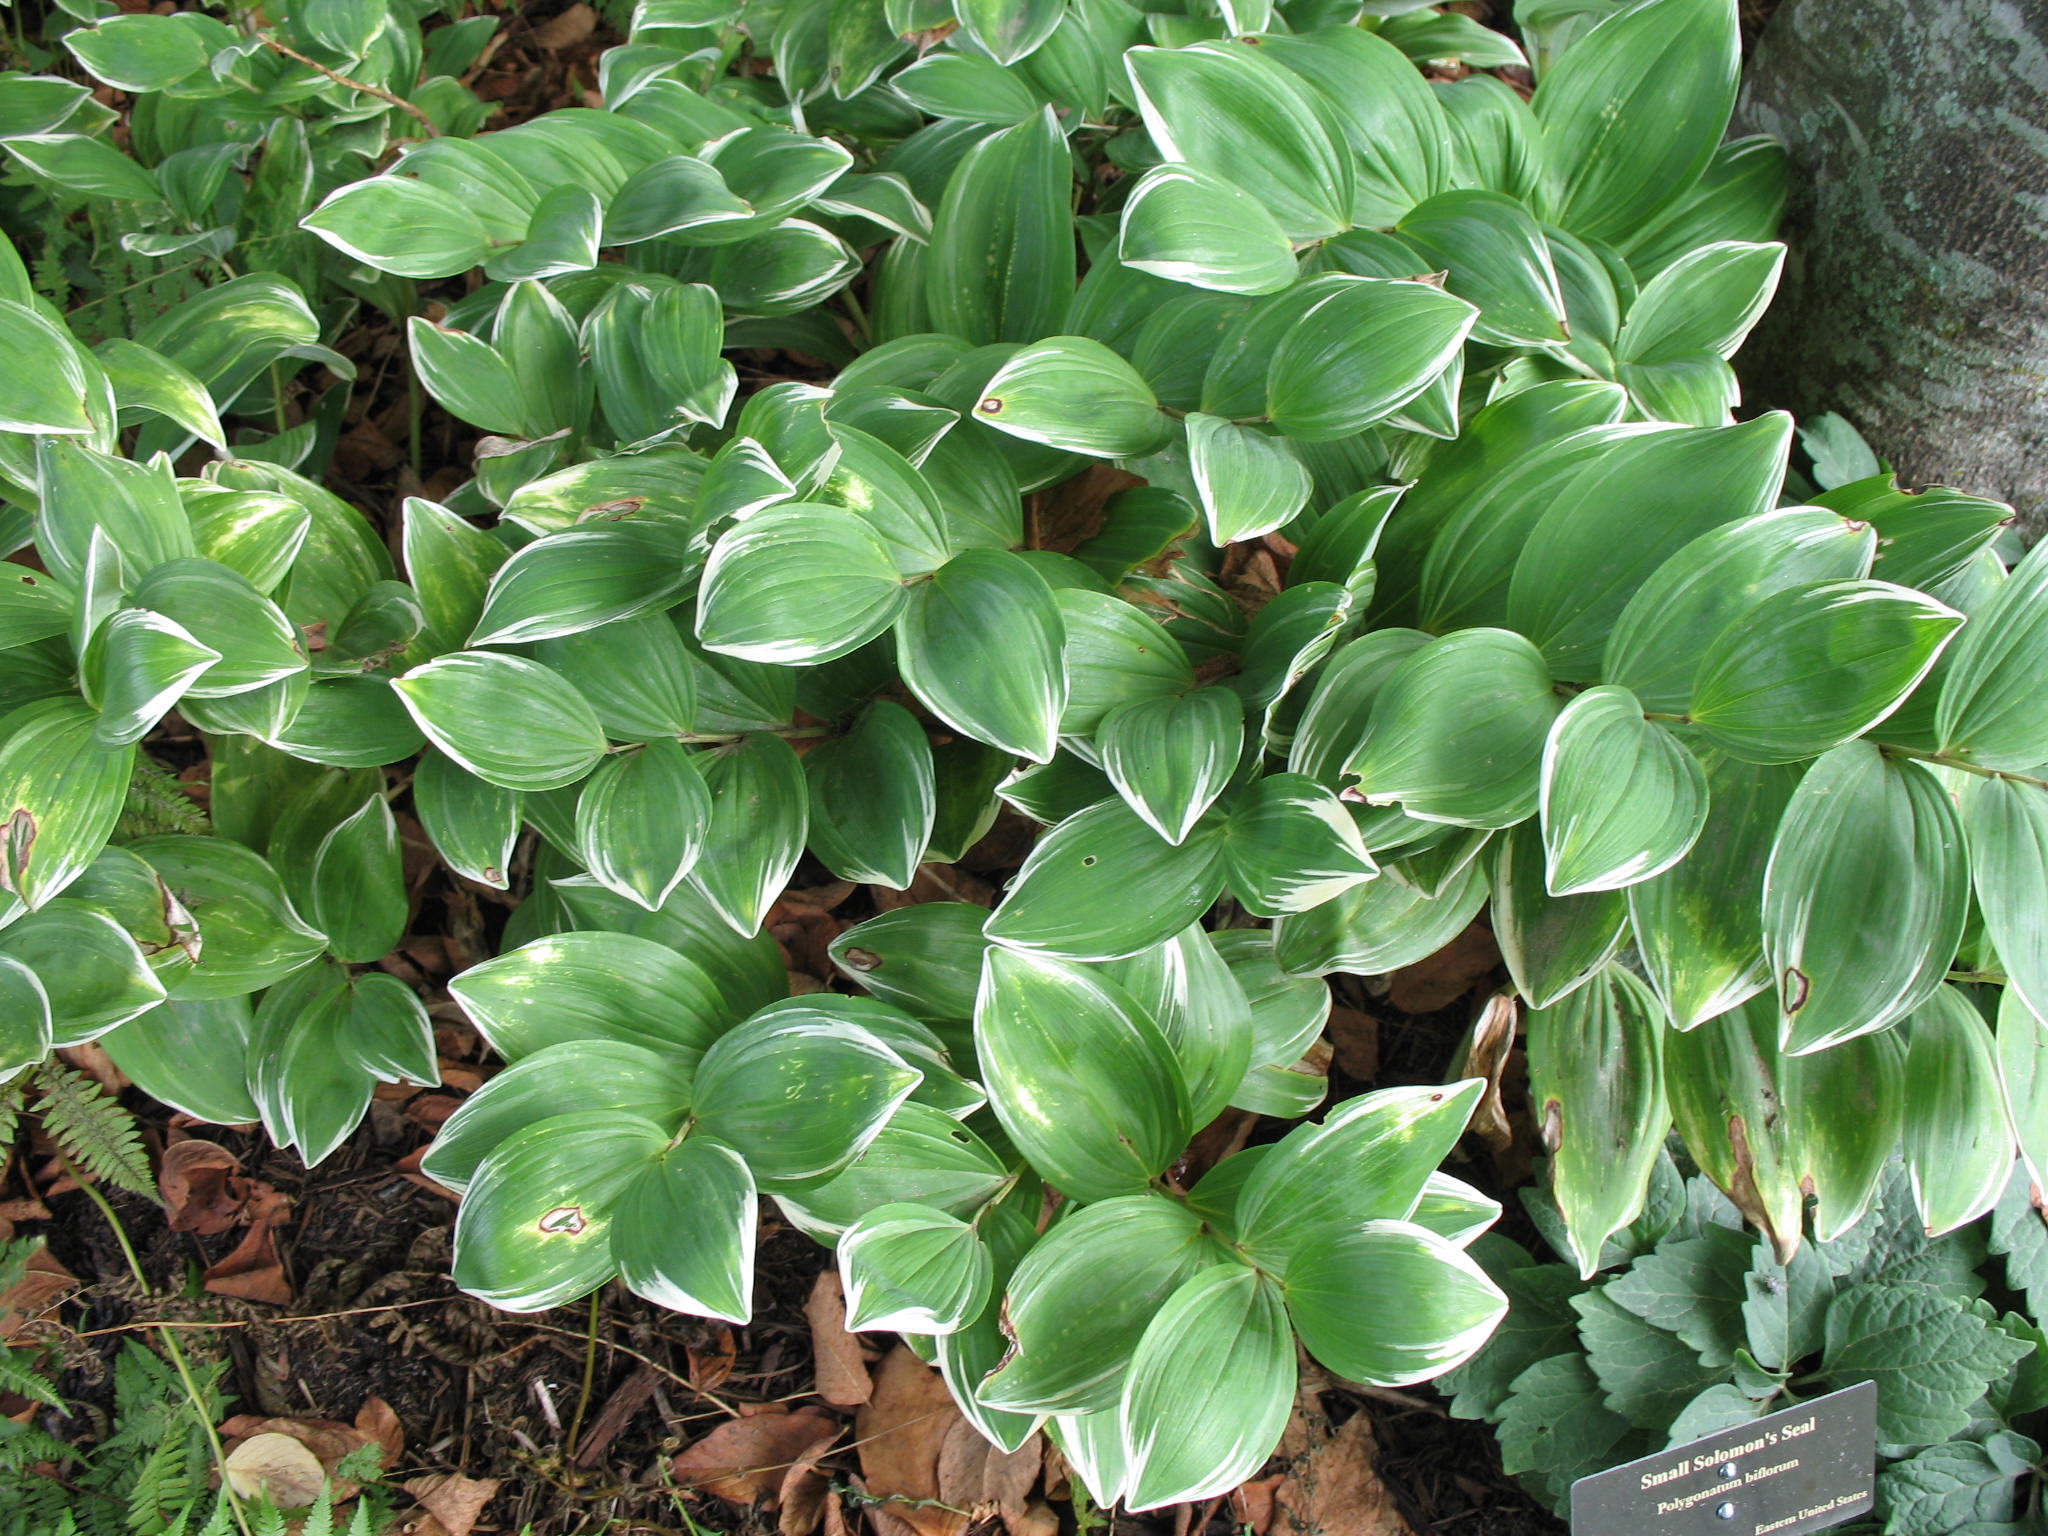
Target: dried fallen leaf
x,y
35,1295
901,1431
1355,1039
841,1368
455,1502
253,1272
975,1476
743,1460
377,1420
1447,975
713,1362
804,1489
275,1467
1488,1046
202,1187
1333,1489
566,30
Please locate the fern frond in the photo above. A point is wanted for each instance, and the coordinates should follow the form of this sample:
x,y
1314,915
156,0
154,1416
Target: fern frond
x,y
12,1099
320,1518
157,803
164,1481
93,1130
360,1524
270,1521
25,1381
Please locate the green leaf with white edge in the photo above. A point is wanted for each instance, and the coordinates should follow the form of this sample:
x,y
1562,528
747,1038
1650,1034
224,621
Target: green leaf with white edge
x,y
474,824
1385,111
1223,109
758,823
922,1155
980,643
1009,30
1170,757
311,1095
1081,1298
1596,1081
1989,710
1632,114
969,88
561,238
1768,1127
598,1074
925,958
25,1038
568,582
2006,823
1621,797
799,582
1455,1211
34,605
1865,896
1083,1082
251,935
1289,845
1930,1356
683,1233
1365,351
1072,393
1001,260
43,384
912,1269
593,986
1093,1445
1703,303
799,1090
1368,1160
1449,1308
1496,257
359,892
132,505
1341,703
1114,653
469,376
401,226
2023,1079
451,563
1628,508
1958,1145
511,722
144,379
1811,667
218,608
1104,885
1698,926
389,1035
191,1056
136,666
1695,595
640,821
535,1228
1457,732
1190,992
1248,481
1191,226
257,533
147,52
94,975
61,794
1379,926
872,797
1553,945
1210,1389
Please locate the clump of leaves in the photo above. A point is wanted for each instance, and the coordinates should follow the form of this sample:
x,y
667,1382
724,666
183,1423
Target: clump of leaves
x,y
1692,1325
1307,489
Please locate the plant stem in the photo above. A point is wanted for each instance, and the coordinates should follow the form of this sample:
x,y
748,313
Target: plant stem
x,y
589,1377
338,78
1894,750
170,1342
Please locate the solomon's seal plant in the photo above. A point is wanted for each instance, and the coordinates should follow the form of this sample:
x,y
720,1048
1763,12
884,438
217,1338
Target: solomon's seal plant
x,y
1307,488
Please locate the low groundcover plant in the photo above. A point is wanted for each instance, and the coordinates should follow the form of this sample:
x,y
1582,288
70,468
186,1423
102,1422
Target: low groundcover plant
x,y
1083,311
